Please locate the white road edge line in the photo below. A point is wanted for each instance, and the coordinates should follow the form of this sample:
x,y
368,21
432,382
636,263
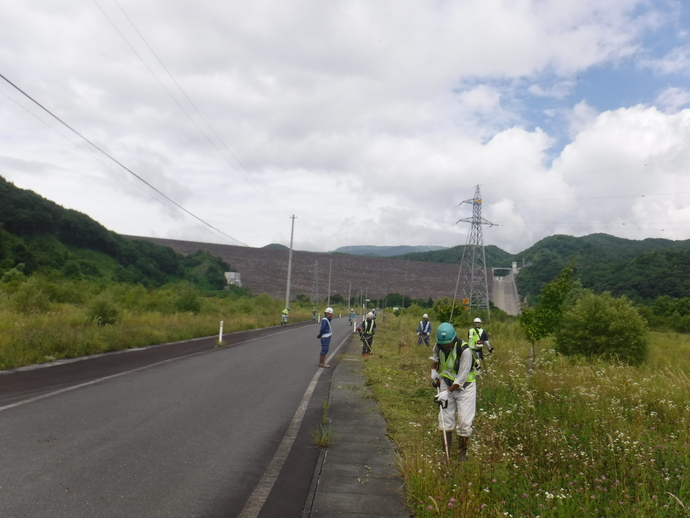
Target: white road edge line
x,y
99,380
260,494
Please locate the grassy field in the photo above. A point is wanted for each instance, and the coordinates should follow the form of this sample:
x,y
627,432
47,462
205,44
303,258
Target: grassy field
x,y
575,438
43,322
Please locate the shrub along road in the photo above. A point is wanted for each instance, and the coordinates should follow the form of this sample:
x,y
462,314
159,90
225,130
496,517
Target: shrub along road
x,y
189,437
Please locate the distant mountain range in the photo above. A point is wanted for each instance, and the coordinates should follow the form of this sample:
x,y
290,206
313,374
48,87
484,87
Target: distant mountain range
x,y
385,251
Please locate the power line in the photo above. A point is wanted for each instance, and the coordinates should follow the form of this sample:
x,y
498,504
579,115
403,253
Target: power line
x,y
648,195
117,161
248,177
256,185
87,151
596,171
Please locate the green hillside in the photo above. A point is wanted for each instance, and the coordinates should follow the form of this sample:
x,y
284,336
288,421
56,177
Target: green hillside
x,y
642,270
42,236
606,263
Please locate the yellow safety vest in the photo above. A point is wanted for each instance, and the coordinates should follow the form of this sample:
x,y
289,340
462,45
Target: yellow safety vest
x,y
449,362
474,336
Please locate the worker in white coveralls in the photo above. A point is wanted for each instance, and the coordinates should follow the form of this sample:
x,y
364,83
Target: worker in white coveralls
x,y
477,339
455,369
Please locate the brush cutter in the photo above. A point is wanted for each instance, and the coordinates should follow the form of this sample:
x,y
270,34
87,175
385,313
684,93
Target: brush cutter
x,y
441,406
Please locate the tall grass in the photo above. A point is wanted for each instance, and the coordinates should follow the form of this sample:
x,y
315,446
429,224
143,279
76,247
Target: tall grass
x,y
42,320
575,438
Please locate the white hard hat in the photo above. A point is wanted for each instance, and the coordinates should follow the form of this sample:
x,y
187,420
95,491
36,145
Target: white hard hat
x,y
477,320
425,315
370,315
329,310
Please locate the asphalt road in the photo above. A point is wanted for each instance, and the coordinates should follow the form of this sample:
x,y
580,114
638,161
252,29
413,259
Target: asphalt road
x,y
184,437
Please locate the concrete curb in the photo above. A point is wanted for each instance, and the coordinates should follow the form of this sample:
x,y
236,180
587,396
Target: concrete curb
x,y
356,476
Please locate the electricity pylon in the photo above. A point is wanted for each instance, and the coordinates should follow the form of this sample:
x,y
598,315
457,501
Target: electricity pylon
x,y
475,285
315,284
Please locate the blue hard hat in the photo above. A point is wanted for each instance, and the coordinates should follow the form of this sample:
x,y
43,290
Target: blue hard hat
x,y
445,334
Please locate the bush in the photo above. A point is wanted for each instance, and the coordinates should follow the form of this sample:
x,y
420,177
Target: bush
x,y
29,298
188,302
603,326
102,310
444,307
414,311
13,278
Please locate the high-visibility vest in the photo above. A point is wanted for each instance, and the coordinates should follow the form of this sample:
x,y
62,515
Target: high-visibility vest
x,y
450,362
370,325
330,328
474,336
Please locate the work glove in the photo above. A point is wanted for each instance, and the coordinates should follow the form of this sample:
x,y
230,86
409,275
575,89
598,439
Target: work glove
x,y
434,375
442,396
318,336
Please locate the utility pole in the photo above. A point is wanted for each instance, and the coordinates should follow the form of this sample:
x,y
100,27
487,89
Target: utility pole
x,y
287,291
330,265
349,294
315,284
475,286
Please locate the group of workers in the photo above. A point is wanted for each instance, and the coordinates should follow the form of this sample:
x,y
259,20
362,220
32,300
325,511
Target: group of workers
x,y
456,364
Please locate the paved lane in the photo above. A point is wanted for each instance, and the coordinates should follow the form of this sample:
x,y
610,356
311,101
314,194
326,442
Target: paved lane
x,y
186,438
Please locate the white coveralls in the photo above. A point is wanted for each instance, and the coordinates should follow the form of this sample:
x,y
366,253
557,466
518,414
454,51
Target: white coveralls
x,y
463,402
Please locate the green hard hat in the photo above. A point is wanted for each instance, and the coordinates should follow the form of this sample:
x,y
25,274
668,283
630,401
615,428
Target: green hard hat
x,y
445,334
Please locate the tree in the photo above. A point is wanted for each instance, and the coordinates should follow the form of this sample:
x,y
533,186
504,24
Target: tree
x,y
541,321
603,326
337,298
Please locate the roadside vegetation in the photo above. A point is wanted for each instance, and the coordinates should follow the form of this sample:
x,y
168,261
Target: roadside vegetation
x,y
580,435
47,317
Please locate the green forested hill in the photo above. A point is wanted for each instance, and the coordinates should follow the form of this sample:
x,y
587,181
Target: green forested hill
x,y
41,235
605,263
642,270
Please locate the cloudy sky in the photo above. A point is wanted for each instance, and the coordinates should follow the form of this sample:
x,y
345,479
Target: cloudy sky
x,y
370,121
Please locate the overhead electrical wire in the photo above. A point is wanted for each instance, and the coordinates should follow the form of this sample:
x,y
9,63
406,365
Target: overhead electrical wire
x,y
255,185
248,177
88,152
152,187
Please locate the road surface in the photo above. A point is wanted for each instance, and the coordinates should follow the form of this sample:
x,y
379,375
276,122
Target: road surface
x,y
185,433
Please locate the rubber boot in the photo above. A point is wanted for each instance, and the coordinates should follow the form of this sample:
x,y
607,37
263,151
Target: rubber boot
x,y
462,448
449,438
322,361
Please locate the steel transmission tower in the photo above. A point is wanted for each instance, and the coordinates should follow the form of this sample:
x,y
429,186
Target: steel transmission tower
x,y
475,285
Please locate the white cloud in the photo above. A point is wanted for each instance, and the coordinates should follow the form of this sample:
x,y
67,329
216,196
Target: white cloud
x,y
673,98
676,61
368,120
558,90
580,117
